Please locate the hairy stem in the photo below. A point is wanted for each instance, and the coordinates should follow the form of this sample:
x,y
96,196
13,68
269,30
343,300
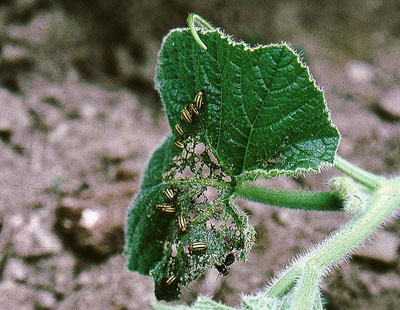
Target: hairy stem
x,y
366,178
300,200
306,290
318,301
191,19
285,282
380,206
382,203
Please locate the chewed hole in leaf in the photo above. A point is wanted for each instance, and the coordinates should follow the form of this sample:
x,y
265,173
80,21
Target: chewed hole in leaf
x,y
211,194
174,250
210,232
200,199
227,179
200,148
206,171
262,115
230,222
213,224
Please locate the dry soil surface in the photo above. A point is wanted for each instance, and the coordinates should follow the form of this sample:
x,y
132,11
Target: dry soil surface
x,y
79,118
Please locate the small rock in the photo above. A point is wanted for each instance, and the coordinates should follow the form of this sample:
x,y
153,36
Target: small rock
x,y
15,270
89,111
360,72
391,102
46,300
83,279
383,248
89,218
13,53
89,228
34,240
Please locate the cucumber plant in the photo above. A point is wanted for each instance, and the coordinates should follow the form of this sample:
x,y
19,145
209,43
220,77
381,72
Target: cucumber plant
x,y
239,113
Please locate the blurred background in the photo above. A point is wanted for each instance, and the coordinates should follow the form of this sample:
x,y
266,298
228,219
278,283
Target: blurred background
x,y
79,118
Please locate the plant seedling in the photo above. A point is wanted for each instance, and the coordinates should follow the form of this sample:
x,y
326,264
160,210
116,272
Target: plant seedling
x,y
259,114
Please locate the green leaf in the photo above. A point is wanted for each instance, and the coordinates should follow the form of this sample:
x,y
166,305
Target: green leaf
x,y
263,116
202,303
257,302
263,113
155,243
144,237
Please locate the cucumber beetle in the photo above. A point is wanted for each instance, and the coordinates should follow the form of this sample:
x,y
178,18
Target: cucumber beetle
x,y
169,193
171,280
180,131
198,100
179,144
187,116
197,246
166,209
193,109
182,224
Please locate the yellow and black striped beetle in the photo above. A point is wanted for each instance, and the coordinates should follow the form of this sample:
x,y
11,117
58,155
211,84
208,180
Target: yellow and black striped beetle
x,y
166,209
180,131
171,280
187,116
193,109
169,193
182,224
197,246
179,144
198,101
159,207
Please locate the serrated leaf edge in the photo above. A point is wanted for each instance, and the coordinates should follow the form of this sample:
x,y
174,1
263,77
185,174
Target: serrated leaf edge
x,y
257,173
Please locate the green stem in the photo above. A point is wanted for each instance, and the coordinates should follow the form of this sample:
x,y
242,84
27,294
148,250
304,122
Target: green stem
x,y
285,282
382,203
191,19
368,179
380,206
318,301
306,290
301,200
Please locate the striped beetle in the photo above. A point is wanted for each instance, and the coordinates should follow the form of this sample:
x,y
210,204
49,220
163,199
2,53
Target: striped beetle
x,y
187,116
166,209
179,144
182,224
171,280
193,109
180,131
198,101
197,246
169,193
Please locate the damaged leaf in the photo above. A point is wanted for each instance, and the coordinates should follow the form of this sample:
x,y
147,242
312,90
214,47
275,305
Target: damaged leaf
x,y
260,114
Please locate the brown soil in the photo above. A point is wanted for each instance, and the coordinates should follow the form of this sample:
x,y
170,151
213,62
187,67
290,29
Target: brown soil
x,y
80,117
